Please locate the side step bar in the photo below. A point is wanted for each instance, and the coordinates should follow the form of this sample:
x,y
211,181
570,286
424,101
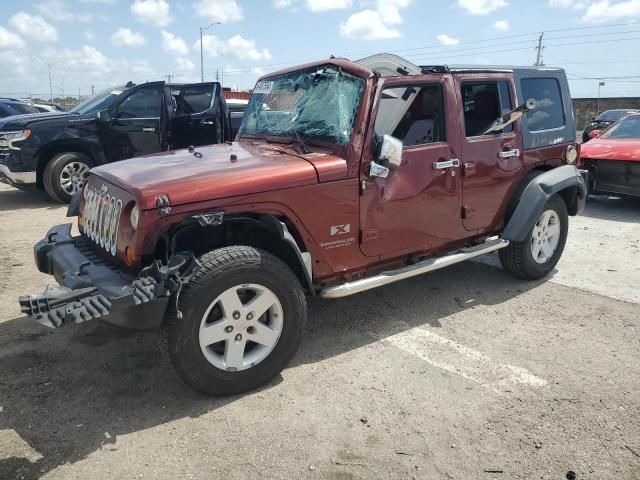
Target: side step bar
x,y
419,268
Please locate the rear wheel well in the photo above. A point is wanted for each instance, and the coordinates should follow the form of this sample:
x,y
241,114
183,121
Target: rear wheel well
x,y
264,232
47,153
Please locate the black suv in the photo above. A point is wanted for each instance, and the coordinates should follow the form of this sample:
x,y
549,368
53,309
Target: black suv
x,y
55,151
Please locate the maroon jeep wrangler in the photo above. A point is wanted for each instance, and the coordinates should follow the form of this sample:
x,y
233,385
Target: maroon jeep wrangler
x,y
345,176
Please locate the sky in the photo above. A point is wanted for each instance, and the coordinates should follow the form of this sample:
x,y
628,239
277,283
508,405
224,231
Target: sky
x,y
94,44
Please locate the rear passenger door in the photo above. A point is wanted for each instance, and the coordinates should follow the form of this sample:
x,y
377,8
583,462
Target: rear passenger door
x,y
491,163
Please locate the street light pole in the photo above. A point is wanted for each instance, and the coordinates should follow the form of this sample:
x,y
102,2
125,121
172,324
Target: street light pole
x,y
50,84
202,30
600,85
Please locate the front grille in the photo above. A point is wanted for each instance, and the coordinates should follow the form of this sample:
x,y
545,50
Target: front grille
x,y
101,218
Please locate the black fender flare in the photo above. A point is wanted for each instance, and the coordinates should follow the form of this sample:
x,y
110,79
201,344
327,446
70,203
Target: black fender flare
x,y
565,180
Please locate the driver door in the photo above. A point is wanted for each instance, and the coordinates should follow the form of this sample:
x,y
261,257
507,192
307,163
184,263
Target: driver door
x,y
417,207
136,128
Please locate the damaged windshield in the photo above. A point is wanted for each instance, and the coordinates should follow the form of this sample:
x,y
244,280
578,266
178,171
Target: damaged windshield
x,y
317,103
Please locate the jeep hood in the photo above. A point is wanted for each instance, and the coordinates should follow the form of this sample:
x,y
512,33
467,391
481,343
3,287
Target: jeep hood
x,y
219,171
18,122
611,149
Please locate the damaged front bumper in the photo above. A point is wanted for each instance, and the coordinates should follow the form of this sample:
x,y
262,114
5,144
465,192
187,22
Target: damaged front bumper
x,y
91,287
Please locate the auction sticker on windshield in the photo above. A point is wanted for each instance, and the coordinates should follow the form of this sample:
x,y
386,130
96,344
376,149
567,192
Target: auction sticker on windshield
x,y
263,88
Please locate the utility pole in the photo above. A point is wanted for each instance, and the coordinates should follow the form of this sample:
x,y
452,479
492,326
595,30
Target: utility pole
x,y
64,99
93,90
202,30
539,49
50,84
169,78
600,85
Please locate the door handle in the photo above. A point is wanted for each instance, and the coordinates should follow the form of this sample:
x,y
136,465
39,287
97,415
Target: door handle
x,y
453,163
207,122
509,153
148,129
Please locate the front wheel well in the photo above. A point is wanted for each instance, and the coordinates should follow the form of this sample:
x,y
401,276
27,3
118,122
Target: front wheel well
x,y
266,232
48,152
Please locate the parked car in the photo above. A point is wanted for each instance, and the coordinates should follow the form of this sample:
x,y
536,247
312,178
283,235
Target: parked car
x,y
612,158
237,107
10,107
603,120
345,176
48,107
54,151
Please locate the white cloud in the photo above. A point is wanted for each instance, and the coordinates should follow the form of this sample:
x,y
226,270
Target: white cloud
x,y
502,25
259,71
173,45
89,36
326,5
124,37
606,10
153,12
482,7
575,4
9,40
236,47
223,11
445,39
375,24
282,3
57,11
183,64
33,27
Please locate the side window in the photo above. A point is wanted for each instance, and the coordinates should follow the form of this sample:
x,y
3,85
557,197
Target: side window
x,y
484,102
196,99
413,114
142,103
549,112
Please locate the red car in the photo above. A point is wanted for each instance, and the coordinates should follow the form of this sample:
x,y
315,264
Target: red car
x,y
613,158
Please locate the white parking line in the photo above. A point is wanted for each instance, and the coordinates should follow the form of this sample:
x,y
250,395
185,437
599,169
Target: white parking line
x,y
464,361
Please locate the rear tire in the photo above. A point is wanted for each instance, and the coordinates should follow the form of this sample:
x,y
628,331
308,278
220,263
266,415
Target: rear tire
x,y
539,253
65,175
219,347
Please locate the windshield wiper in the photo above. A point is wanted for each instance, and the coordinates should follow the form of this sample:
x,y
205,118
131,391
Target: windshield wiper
x,y
303,147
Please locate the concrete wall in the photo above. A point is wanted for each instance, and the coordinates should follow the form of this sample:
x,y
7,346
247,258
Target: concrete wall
x,y
584,109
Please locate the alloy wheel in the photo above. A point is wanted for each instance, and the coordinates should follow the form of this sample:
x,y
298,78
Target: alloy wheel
x,y
545,236
241,327
73,177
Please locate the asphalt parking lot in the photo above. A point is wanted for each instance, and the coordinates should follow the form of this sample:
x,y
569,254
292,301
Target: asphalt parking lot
x,y
465,373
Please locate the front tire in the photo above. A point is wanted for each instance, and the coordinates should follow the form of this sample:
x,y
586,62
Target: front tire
x,y
243,315
65,175
539,253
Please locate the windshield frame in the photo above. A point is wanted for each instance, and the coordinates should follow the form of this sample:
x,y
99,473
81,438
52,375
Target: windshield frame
x,y
99,101
290,137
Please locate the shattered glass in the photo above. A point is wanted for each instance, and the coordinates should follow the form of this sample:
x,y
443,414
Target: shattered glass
x,y
314,103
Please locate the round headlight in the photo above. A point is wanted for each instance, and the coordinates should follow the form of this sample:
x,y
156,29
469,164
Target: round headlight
x,y
134,217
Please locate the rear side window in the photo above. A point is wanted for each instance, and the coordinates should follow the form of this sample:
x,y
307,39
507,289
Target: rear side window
x,y
549,112
484,103
196,99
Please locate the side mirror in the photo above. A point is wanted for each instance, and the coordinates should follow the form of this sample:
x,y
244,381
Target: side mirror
x,y
104,116
594,133
390,155
391,151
